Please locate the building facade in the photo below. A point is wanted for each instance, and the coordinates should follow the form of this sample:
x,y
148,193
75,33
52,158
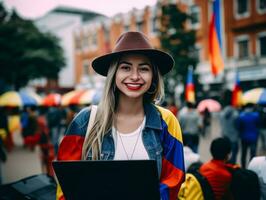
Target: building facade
x,y
62,22
243,32
98,37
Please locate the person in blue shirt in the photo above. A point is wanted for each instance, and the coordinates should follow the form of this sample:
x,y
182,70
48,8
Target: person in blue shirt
x,y
248,126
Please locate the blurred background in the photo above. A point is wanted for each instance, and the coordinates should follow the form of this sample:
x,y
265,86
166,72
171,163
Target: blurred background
x,y
46,50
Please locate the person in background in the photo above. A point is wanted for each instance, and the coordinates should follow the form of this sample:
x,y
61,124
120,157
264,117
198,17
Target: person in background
x,y
70,114
228,122
3,134
128,125
55,116
46,146
172,106
191,124
216,170
29,130
258,165
206,122
248,126
263,127
189,156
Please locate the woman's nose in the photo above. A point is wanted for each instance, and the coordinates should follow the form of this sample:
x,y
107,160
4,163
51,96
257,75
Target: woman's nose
x,y
135,74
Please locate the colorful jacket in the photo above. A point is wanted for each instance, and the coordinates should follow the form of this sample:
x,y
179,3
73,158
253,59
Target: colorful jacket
x,y
162,139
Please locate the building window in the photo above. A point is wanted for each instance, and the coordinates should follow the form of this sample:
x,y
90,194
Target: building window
x,y
262,44
194,11
126,27
154,20
140,26
261,6
85,68
154,27
242,8
242,47
85,42
78,43
94,39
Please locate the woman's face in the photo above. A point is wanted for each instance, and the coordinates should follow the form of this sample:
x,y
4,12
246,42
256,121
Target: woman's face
x,y
134,75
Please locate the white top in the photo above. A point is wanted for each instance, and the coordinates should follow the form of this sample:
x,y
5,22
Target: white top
x,y
129,146
258,165
190,157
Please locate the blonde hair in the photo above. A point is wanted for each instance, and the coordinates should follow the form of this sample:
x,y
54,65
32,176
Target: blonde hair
x,y
106,109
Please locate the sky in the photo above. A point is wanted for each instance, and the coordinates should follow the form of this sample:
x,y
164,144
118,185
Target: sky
x,y
32,9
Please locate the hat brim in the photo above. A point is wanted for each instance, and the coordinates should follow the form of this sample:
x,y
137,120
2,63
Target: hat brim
x,y
163,60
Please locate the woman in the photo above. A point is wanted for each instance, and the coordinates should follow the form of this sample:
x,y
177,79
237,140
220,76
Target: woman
x,y
128,125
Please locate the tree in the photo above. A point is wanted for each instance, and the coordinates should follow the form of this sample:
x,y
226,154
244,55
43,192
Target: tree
x,y
26,53
179,42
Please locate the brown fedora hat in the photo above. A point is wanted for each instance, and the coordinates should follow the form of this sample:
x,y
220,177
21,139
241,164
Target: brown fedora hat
x,y
133,42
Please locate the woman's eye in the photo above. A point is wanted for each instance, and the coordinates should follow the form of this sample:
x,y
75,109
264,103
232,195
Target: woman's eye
x,y
144,69
125,67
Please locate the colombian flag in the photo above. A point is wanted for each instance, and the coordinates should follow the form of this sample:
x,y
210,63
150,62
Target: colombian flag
x,y
215,40
190,88
236,100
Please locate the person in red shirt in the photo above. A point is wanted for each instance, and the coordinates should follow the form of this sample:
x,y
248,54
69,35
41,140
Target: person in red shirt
x,y
172,106
217,169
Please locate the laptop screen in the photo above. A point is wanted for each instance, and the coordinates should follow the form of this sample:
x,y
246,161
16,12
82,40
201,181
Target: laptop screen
x,y
106,180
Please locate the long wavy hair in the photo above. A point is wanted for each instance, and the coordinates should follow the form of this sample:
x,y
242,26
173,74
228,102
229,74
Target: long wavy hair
x,y
107,106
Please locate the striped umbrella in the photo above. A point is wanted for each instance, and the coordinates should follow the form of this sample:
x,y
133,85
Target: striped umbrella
x,y
53,99
255,96
78,97
13,98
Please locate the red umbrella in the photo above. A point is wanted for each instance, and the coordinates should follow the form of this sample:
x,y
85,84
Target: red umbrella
x,y
53,99
211,104
78,97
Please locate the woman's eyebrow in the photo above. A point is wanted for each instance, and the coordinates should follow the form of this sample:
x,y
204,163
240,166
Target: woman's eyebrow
x,y
125,62
128,63
145,63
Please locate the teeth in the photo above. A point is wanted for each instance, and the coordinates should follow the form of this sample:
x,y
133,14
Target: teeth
x,y
133,85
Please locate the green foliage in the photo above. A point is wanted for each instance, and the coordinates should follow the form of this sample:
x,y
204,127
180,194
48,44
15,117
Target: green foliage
x,y
26,53
179,42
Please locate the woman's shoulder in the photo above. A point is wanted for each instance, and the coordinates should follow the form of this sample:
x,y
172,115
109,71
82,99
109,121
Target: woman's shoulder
x,y
79,124
83,114
165,113
170,121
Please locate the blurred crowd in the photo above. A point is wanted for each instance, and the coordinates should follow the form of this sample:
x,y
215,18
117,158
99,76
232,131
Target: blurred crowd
x,y
38,127
242,129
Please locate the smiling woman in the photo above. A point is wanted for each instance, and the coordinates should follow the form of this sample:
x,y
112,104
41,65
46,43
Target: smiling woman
x,y
128,125
133,76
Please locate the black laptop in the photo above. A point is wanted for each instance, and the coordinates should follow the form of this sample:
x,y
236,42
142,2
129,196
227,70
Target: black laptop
x,y
108,180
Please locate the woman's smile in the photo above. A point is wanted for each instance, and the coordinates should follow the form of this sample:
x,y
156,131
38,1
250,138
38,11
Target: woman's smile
x,y
133,86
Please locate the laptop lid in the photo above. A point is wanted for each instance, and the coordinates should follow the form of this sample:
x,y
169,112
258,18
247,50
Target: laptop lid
x,y
101,180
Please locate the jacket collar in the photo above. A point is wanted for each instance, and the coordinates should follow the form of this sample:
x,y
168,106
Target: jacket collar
x,y
153,118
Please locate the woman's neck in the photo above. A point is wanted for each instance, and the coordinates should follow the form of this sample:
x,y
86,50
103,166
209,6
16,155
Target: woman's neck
x,y
129,106
129,115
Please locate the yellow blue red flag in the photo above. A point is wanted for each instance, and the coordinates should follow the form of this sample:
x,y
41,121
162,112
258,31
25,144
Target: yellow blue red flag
x,y
190,88
215,40
236,100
